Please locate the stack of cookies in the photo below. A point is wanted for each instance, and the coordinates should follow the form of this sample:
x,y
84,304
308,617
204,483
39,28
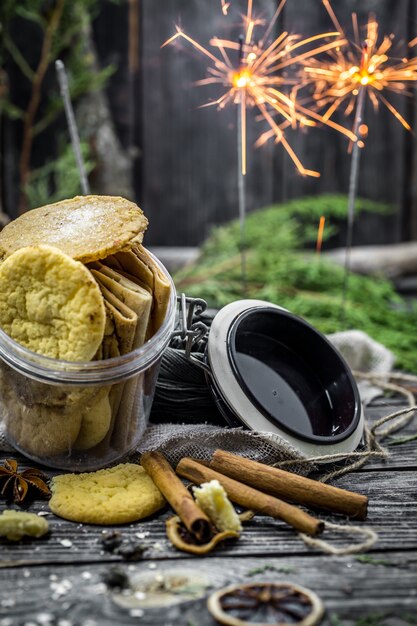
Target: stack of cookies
x,y
76,284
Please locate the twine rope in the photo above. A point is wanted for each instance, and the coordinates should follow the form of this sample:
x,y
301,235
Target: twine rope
x,y
372,449
371,537
373,436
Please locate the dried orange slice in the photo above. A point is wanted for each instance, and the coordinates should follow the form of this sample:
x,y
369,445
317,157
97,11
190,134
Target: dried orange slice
x,y
183,540
266,604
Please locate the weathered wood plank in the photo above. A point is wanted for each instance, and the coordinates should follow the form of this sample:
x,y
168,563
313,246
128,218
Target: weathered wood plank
x,y
349,589
392,513
68,585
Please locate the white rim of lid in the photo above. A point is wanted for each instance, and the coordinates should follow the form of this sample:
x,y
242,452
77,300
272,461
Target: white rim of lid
x,y
229,387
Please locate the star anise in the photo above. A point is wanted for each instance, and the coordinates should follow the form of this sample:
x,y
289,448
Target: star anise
x,y
18,484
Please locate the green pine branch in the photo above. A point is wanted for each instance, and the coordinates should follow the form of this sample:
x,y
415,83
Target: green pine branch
x,y
283,268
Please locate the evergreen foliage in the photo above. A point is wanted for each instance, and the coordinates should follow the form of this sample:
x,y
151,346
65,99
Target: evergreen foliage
x,y
63,172
282,269
65,25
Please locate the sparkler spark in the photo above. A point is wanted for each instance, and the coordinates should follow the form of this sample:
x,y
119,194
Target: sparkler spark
x,y
364,65
256,79
225,7
320,234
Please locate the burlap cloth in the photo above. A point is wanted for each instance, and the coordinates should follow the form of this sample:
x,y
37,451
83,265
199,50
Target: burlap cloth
x,y
187,423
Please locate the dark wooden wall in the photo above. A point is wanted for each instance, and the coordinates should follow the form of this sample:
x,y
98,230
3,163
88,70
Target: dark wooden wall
x,y
189,153
185,156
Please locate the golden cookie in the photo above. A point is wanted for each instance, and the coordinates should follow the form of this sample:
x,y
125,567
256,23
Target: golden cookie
x,y
95,423
86,228
39,430
31,392
117,495
51,304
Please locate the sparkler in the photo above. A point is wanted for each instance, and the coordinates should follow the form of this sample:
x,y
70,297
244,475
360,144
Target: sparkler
x,y
346,79
252,81
72,125
364,65
255,79
320,234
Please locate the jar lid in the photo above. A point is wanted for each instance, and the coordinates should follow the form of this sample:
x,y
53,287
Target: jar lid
x,y
272,371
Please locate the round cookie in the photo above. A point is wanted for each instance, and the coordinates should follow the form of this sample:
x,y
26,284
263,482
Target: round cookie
x,y
87,228
30,392
117,495
95,423
39,430
51,304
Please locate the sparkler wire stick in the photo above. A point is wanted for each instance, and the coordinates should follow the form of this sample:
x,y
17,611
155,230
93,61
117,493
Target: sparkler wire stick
x,y
241,186
241,173
72,125
353,190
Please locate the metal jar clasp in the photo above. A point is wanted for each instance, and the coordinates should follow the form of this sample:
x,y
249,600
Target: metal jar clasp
x,y
191,330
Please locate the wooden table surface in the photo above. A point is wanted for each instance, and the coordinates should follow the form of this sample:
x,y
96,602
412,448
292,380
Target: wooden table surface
x,y
58,579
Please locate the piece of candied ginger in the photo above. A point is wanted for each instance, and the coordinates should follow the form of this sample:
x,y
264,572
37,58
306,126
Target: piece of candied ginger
x,y
212,498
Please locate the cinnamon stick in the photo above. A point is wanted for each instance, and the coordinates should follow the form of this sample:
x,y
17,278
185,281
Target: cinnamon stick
x,y
164,477
251,498
290,486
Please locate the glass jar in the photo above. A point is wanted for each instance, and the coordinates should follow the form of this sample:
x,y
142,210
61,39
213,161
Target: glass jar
x,y
80,415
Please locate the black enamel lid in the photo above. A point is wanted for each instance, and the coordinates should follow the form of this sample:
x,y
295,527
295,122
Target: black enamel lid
x,y
291,374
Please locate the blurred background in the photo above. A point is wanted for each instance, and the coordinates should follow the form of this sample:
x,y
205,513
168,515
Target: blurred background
x,y
144,135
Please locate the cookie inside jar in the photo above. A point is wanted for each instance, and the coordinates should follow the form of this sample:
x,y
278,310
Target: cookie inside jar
x,y
79,360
